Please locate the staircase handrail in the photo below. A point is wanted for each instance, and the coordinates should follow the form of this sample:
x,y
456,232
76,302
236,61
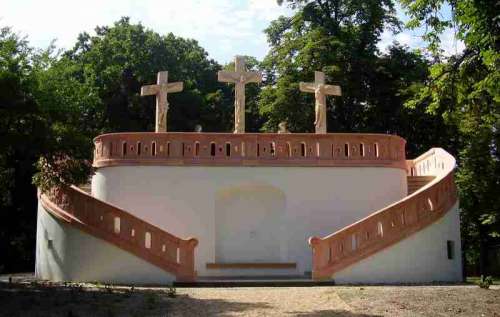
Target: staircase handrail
x,y
122,229
392,223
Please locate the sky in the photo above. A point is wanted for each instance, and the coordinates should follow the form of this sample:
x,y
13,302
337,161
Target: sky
x,y
225,28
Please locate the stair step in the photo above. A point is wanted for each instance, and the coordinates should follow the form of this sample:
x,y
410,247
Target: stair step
x,y
252,265
417,182
290,281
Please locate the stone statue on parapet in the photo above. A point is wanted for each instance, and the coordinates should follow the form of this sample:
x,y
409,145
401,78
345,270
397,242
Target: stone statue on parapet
x,y
282,127
240,77
320,90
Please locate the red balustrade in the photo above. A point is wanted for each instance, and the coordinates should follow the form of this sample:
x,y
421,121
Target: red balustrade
x,y
393,223
122,229
249,149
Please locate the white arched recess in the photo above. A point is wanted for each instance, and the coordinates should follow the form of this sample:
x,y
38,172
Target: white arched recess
x,y
250,224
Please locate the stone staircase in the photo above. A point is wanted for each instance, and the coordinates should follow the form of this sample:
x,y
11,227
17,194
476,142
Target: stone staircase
x,y
417,182
389,225
78,208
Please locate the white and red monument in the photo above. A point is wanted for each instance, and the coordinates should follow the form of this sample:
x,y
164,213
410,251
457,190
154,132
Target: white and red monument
x,y
167,206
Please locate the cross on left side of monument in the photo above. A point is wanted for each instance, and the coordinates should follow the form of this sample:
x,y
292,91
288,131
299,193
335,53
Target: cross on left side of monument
x,y
161,89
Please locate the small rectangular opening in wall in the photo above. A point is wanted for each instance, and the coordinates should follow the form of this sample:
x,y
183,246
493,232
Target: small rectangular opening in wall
x,y
361,149
212,149
147,240
138,148
228,149
272,148
380,229
346,150
258,149
117,225
450,248
353,242
110,149
288,149
168,148
197,148
178,255
303,149
183,149
243,149
375,149
153,148
124,148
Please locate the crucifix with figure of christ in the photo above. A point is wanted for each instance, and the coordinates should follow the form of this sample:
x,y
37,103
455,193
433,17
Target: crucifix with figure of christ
x,y
320,90
161,89
240,77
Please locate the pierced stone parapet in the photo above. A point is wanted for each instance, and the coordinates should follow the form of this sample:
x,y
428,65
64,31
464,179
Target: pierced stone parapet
x,y
250,149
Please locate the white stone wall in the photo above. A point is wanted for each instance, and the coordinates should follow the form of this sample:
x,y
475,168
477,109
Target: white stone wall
x,y
422,257
64,253
294,203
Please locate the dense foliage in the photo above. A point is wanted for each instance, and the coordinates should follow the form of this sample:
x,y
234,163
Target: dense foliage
x,y
465,88
53,103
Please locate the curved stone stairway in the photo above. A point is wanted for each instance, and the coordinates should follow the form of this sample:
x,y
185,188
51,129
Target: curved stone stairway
x,y
122,229
432,194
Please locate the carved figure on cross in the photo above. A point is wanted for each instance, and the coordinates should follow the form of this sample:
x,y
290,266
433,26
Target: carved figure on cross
x,y
240,77
161,89
320,90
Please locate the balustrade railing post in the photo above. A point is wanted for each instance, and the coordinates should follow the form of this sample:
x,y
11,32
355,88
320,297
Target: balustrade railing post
x,y
320,257
186,259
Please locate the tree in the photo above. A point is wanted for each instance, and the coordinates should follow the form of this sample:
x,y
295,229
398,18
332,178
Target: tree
x,y
36,120
118,60
466,88
338,37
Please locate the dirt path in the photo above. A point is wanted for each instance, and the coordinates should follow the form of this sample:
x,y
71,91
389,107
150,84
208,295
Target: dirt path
x,y
24,296
279,301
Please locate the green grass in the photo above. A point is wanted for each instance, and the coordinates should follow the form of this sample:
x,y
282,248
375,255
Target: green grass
x,y
475,279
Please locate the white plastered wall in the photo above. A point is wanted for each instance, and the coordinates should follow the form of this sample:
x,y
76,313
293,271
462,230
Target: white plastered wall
x,y
64,253
317,201
420,258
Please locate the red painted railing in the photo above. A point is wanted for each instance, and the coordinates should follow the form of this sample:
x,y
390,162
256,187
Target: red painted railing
x,y
123,230
393,223
249,149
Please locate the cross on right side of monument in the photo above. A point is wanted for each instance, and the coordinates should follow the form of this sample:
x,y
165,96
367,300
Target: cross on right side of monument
x,y
320,90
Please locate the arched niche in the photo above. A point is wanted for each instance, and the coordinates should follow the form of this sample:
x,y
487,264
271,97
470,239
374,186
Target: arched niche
x,y
250,224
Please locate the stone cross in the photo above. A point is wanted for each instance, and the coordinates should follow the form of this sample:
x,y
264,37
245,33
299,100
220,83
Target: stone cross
x,y
240,77
161,89
320,90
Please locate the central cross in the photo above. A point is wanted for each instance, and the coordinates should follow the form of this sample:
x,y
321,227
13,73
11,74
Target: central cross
x,y
320,90
161,89
240,77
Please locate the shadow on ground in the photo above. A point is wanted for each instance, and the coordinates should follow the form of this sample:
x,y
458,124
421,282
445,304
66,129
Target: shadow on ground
x,y
72,300
189,306
332,313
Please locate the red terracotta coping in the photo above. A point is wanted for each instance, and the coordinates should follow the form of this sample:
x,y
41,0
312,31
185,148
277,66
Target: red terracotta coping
x,y
393,223
122,229
250,149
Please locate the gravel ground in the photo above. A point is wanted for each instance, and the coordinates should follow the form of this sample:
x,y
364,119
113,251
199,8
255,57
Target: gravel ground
x,y
339,301
25,297
269,301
